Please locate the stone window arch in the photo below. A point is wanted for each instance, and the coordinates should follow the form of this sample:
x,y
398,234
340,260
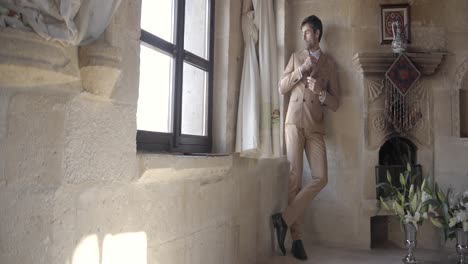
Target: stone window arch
x,y
460,101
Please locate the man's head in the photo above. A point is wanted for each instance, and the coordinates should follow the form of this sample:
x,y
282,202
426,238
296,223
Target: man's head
x,y
311,31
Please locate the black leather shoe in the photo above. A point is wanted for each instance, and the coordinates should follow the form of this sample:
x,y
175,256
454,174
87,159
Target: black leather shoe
x,y
298,250
281,230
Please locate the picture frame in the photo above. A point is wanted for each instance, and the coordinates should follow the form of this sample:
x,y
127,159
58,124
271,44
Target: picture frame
x,y
390,13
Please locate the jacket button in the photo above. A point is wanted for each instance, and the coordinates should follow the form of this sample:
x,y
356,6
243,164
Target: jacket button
x,y
303,100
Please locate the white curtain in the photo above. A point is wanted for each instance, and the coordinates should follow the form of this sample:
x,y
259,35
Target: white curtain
x,y
248,114
75,22
267,49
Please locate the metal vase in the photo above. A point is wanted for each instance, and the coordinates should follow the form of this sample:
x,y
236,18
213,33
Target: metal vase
x,y
410,242
462,245
399,44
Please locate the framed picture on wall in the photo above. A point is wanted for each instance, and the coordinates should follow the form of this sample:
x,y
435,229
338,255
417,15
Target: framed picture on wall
x,y
390,14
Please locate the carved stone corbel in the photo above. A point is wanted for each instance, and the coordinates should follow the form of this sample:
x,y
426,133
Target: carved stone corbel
x,y
27,59
100,67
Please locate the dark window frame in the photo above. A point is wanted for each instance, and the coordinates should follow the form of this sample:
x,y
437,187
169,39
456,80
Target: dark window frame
x,y
176,141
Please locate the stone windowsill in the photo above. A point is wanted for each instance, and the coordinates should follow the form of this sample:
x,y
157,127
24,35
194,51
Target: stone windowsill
x,y
163,167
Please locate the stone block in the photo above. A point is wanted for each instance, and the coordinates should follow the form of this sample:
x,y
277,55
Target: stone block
x,y
428,39
35,139
454,15
456,43
367,40
25,226
204,198
3,156
65,224
248,238
99,141
4,104
427,13
364,14
206,246
169,252
326,11
169,210
231,244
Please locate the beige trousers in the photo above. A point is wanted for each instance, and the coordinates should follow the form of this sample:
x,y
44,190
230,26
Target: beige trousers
x,y
299,197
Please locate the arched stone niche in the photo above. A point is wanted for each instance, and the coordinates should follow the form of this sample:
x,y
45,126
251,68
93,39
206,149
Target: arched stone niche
x,y
460,101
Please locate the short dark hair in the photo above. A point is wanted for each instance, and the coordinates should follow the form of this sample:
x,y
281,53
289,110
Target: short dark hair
x,y
315,23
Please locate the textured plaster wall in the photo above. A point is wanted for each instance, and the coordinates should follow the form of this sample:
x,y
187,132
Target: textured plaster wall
x,y
74,190
350,26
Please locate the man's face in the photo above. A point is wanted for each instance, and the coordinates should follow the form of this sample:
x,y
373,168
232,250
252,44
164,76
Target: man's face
x,y
310,37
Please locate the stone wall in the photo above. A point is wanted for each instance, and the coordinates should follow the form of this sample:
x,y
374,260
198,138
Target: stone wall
x,y
340,214
74,190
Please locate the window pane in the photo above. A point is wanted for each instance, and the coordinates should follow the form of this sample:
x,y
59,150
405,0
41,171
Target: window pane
x,y
157,17
464,113
155,92
194,101
196,27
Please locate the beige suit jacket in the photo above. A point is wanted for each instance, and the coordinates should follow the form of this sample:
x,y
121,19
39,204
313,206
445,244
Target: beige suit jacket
x,y
305,110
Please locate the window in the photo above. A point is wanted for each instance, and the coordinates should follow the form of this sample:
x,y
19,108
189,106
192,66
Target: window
x,y
176,76
463,103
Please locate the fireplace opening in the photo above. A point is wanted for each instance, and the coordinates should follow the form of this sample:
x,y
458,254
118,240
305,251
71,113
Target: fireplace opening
x,y
394,155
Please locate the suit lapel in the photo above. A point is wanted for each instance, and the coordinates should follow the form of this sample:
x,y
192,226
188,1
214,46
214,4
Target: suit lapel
x,y
303,56
319,65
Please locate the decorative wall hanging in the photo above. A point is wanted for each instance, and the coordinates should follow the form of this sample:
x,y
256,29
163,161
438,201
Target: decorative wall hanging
x,y
402,109
394,13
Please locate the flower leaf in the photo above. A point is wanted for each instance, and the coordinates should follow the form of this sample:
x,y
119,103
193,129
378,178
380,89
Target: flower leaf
x,y
414,203
402,180
424,185
436,222
398,209
385,205
441,196
411,192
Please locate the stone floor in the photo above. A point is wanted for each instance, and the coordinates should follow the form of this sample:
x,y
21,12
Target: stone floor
x,y
325,255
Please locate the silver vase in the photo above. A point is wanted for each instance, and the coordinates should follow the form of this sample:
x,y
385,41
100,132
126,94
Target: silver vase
x,y
410,242
399,43
462,245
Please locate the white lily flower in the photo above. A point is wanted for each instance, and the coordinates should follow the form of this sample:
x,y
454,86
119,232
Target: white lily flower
x,y
425,216
461,216
452,202
425,196
417,217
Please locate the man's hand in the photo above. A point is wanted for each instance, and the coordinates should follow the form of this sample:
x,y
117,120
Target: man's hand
x,y
315,85
308,64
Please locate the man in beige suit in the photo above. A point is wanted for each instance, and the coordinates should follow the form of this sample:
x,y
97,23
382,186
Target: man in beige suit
x,y
310,82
